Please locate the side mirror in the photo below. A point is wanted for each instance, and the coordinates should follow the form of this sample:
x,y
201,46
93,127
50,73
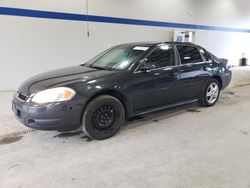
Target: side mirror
x,y
147,67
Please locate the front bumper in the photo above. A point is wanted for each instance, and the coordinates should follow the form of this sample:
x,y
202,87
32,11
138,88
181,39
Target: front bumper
x,y
60,116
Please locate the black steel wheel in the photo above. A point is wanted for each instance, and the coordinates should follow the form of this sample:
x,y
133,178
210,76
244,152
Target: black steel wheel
x,y
103,117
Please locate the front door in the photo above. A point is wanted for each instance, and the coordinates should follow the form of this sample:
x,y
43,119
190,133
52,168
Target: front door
x,y
157,85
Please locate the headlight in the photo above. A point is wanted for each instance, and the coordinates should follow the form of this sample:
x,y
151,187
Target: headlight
x,y
53,95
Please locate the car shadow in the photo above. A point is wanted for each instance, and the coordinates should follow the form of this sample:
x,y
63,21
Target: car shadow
x,y
78,133
161,115
138,121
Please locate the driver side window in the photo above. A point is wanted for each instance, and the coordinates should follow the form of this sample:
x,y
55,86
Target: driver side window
x,y
163,56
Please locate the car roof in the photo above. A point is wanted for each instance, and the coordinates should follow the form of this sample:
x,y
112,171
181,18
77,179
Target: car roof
x,y
151,44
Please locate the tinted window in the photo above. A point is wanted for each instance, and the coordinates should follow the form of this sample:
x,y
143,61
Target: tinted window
x,y
162,56
189,54
206,55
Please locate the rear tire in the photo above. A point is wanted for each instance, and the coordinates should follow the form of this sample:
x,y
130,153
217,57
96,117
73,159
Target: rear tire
x,y
211,93
103,117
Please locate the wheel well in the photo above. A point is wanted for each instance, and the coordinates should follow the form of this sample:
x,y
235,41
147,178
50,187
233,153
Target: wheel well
x,y
219,80
112,93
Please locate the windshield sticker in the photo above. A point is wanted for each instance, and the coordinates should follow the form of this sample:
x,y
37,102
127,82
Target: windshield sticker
x,y
140,48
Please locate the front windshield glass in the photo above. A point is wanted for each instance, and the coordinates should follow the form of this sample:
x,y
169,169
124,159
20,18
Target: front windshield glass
x,y
118,58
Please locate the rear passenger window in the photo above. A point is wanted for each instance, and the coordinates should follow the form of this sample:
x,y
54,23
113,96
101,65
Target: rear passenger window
x,y
189,54
162,56
206,55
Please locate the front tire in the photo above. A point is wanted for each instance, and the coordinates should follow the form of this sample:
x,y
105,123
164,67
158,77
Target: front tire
x,y
211,93
103,117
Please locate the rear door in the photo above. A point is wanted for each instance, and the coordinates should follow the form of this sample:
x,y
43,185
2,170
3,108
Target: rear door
x,y
192,71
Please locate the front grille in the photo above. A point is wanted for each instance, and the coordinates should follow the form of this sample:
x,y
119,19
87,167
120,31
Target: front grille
x,y
21,96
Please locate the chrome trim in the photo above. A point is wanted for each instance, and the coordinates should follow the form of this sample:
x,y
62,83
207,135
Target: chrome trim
x,y
164,68
174,66
191,64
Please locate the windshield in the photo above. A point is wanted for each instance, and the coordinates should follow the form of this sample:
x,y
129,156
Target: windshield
x,y
118,58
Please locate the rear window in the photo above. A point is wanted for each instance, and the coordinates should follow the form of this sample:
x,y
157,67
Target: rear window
x,y
189,54
206,55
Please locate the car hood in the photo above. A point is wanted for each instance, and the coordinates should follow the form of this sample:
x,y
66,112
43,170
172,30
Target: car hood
x,y
61,77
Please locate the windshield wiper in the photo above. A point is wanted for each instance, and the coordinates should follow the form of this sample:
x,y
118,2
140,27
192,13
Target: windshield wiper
x,y
100,68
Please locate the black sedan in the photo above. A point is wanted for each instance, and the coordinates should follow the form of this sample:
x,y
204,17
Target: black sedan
x,y
124,81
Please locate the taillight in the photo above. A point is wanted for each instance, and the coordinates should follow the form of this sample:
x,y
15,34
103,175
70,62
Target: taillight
x,y
229,67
